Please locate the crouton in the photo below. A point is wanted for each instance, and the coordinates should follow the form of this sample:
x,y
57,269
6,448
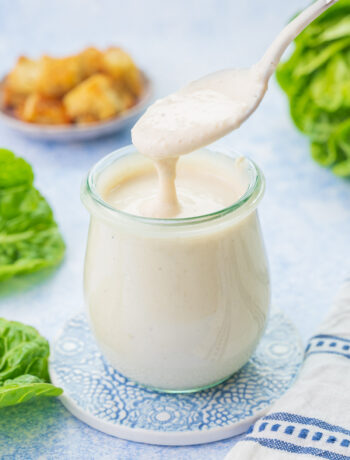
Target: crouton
x,y
20,82
40,109
90,61
94,99
120,66
57,76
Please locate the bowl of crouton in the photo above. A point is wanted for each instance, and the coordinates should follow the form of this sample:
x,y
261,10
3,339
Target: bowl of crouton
x,y
83,96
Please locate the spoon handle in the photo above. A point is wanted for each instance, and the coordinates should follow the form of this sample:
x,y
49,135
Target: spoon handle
x,y
271,58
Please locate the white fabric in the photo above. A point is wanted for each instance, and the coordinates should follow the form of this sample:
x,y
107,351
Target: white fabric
x,y
312,420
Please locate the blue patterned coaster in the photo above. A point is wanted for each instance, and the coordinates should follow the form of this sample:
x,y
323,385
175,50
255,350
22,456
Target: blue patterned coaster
x,y
100,396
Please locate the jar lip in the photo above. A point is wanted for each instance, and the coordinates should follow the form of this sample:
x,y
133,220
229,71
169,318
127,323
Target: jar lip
x,y
252,195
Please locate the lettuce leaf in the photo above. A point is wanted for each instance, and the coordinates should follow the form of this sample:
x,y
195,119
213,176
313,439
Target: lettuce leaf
x,y
29,236
23,388
24,357
316,79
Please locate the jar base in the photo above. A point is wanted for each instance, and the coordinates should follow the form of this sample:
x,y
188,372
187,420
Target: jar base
x,y
186,390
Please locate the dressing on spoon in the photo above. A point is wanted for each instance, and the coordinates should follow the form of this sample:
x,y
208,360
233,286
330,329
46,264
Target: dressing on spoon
x,y
206,110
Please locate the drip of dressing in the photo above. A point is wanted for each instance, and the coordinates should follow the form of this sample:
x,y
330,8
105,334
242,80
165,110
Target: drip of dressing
x,y
206,110
166,204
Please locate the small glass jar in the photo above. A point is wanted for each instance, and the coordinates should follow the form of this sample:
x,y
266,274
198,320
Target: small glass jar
x,y
179,304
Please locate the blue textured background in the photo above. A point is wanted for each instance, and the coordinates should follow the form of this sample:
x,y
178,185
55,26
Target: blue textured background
x,y
305,213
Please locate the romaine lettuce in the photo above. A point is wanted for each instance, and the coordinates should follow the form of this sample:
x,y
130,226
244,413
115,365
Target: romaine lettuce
x,y
23,364
29,237
316,79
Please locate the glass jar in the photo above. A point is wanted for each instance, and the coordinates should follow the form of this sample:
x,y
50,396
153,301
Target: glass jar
x,y
175,304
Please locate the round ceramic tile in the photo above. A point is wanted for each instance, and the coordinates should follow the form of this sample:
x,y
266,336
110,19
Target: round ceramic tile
x,y
101,397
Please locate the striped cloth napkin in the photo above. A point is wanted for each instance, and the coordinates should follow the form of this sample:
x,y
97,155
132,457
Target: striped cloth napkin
x,y
312,420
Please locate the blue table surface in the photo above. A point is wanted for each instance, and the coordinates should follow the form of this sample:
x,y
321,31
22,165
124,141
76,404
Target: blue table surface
x,y
305,213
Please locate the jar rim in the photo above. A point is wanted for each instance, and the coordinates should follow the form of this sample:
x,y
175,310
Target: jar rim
x,y
251,196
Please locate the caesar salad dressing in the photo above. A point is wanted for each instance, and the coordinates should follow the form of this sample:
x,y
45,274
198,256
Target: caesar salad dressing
x,y
177,307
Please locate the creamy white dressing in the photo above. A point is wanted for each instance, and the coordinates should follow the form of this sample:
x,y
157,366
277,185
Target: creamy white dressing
x,y
198,114
177,307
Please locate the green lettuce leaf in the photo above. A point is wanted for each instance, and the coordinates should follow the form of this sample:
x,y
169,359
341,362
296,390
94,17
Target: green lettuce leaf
x,y
14,171
316,79
24,357
29,236
23,388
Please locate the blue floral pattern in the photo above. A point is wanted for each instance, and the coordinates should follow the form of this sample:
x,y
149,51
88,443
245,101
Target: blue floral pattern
x,y
95,387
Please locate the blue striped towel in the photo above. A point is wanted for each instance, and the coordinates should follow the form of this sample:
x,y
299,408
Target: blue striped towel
x,y
312,420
